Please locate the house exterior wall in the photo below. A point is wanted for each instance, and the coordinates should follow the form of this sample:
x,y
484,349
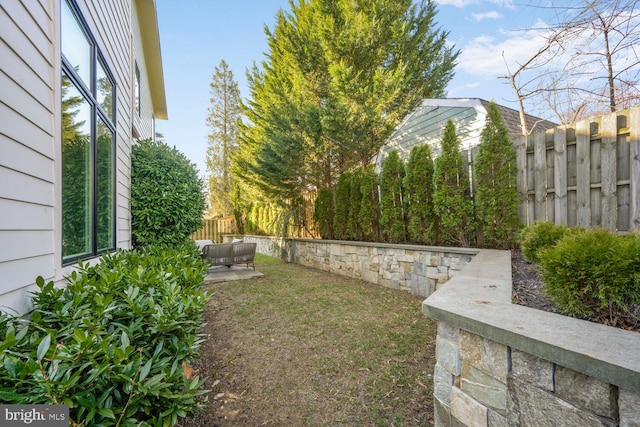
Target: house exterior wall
x,y
30,135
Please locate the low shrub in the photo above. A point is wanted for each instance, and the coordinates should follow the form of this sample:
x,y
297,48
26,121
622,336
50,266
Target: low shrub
x,y
539,236
593,274
115,344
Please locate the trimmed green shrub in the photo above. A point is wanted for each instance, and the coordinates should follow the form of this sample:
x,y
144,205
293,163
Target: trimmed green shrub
x,y
342,207
538,236
452,195
392,222
115,344
418,184
369,213
593,274
167,197
354,232
495,182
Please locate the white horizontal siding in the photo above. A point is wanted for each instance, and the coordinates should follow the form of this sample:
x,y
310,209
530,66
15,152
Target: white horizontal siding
x,y
22,273
27,149
24,216
19,157
26,244
25,188
23,130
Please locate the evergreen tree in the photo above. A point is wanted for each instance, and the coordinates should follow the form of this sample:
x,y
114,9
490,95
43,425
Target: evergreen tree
x,y
495,181
224,114
452,195
419,194
369,214
342,208
338,77
353,231
392,218
323,213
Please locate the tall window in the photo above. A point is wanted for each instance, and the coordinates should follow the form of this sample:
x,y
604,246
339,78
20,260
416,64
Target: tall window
x,y
136,92
88,142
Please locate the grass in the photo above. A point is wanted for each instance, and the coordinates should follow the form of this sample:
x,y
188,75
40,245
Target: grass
x,y
305,347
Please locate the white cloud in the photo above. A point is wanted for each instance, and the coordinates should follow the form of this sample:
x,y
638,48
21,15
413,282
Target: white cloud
x,y
487,15
483,55
464,3
457,3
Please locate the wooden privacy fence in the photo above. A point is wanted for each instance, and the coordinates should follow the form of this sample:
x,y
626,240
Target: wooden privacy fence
x,y
214,229
586,174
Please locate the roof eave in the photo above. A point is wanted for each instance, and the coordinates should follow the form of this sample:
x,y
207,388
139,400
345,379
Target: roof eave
x,y
148,21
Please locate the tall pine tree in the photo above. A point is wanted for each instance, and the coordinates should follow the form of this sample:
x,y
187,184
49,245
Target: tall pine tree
x,y
338,77
224,114
452,195
495,181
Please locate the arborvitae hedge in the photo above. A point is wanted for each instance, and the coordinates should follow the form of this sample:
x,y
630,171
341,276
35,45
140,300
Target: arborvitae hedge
x,y
369,215
355,199
495,180
392,221
342,206
452,195
323,213
418,184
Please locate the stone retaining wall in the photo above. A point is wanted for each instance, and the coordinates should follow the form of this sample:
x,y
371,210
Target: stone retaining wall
x,y
412,268
500,364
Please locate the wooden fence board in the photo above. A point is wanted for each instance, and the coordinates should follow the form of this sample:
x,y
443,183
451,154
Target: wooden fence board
x,y
583,181
587,174
521,177
608,171
540,175
634,156
560,174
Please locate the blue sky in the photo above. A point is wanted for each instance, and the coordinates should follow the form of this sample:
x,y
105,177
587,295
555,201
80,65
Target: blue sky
x,y
196,35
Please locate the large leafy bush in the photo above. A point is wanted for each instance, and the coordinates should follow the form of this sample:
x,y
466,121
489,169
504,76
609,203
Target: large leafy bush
x,y
167,197
594,274
115,344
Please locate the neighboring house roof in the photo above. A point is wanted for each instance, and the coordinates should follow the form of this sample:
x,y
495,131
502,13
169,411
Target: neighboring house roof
x,y
511,119
425,125
147,16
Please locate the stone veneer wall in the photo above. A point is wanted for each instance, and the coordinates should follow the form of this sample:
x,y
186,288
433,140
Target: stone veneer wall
x,y
412,268
500,364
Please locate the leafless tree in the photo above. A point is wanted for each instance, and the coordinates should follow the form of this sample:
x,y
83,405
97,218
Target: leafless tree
x,y
588,62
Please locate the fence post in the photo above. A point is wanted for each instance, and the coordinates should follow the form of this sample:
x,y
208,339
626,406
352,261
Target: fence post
x,y
560,175
583,173
521,179
540,176
634,154
609,175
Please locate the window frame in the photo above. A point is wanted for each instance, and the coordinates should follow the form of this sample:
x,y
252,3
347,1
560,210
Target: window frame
x,y
98,114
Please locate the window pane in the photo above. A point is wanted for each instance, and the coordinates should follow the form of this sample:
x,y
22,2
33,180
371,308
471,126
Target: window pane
x,y
75,45
136,91
104,91
76,172
104,193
